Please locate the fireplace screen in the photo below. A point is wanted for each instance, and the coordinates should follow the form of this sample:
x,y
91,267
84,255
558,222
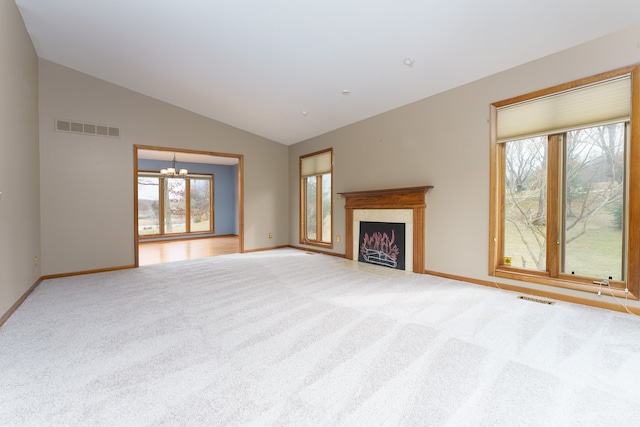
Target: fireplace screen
x,y
382,243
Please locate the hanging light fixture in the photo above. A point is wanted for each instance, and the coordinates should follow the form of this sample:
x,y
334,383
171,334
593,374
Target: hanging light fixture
x,y
172,171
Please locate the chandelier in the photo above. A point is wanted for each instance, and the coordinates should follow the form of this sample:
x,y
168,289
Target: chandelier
x,y
172,171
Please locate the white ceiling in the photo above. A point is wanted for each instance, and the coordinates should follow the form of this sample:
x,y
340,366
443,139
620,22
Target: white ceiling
x,y
259,64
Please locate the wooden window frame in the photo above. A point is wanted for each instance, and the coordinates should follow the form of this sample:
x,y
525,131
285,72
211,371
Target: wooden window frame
x,y
552,276
303,197
161,210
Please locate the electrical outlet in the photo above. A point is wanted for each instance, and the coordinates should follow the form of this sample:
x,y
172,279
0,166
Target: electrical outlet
x,y
271,235
337,239
35,261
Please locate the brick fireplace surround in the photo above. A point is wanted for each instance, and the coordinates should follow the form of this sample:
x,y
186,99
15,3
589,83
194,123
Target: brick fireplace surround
x,y
411,199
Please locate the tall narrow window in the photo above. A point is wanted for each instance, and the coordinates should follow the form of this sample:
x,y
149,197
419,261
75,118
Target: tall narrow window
x,y
593,202
564,164
148,205
525,203
175,205
200,204
316,196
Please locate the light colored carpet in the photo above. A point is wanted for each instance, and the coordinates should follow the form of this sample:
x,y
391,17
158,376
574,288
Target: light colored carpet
x,y
288,338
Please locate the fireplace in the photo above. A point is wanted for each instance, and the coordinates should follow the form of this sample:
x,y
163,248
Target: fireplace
x,y
398,205
382,243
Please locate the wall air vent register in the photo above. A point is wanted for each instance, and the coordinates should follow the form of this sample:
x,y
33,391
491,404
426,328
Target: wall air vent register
x,y
87,128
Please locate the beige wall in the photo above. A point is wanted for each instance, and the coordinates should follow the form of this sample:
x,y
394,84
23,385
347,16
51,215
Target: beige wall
x,y
87,181
444,141
19,173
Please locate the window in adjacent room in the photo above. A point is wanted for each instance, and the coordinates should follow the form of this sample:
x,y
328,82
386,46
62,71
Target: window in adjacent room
x,y
316,209
564,164
172,206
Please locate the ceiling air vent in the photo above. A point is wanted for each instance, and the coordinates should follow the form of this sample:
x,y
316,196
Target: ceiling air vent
x,y
87,128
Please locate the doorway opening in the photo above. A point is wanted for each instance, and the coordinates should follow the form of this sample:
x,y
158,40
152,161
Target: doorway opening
x,y
196,214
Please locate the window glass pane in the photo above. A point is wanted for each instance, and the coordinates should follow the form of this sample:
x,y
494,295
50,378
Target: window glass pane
x,y
326,208
525,205
174,200
594,189
200,205
310,208
148,206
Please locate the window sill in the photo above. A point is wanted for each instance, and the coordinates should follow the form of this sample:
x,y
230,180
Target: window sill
x,y
177,236
317,244
578,284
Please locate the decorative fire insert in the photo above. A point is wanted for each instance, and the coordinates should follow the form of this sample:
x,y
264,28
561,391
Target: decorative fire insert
x,y
409,199
382,243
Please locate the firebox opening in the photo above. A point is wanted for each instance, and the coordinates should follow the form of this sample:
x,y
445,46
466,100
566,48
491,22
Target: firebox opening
x,y
382,243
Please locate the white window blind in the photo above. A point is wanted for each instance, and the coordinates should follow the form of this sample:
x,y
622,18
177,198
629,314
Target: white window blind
x,y
316,165
604,102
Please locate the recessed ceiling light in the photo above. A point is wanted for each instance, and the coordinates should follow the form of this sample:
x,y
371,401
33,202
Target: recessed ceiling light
x,y
304,112
408,61
345,92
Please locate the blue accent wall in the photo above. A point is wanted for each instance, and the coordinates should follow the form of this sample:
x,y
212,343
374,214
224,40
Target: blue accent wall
x,y
225,190
236,203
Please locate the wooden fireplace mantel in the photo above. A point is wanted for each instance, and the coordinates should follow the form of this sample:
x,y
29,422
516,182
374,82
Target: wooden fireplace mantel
x,y
394,198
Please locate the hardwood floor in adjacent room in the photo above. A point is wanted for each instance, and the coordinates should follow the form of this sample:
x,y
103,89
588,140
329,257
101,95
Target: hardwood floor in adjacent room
x,y
159,252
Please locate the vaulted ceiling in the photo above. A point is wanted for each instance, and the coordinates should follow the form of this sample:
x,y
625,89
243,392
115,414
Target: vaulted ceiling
x,y
289,70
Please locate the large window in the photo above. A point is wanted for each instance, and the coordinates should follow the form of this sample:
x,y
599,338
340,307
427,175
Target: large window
x,y
565,164
172,206
315,198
